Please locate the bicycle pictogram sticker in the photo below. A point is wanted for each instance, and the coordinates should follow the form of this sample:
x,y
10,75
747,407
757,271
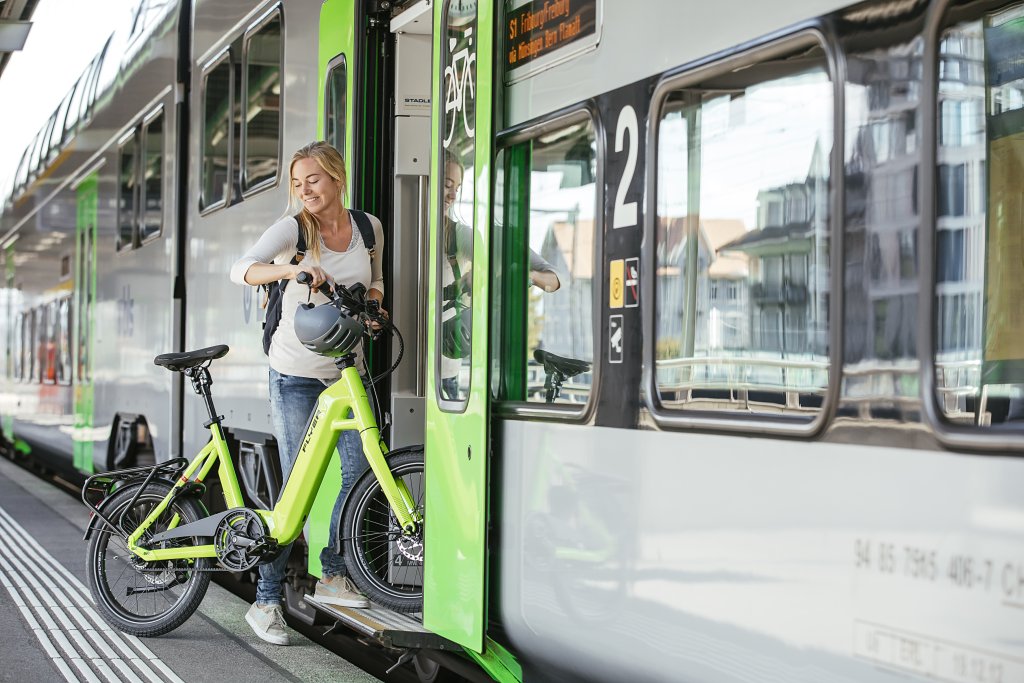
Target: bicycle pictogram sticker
x,y
459,88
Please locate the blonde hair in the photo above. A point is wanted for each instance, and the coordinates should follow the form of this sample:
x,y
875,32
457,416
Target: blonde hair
x,y
333,164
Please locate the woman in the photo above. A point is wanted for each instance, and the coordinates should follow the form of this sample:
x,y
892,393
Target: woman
x,y
335,253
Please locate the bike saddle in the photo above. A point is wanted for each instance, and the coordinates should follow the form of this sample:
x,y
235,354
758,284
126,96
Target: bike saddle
x,y
568,367
190,359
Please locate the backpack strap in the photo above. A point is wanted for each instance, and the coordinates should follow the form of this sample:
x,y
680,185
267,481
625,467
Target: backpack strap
x,y
362,222
300,248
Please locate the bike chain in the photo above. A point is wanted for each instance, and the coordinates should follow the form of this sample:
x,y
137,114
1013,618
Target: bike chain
x,y
145,570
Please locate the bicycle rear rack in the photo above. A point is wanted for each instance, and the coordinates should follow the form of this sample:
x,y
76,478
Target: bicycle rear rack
x,y
98,487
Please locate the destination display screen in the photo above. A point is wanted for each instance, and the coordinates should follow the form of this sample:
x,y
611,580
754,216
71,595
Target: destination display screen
x,y
540,28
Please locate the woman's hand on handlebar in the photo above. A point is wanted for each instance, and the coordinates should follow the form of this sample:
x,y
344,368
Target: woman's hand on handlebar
x,y
318,274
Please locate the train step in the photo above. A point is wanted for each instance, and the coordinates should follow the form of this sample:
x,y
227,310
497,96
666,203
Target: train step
x,y
390,629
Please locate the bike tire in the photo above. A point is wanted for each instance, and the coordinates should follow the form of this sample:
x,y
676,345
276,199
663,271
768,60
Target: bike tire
x,y
113,569
371,538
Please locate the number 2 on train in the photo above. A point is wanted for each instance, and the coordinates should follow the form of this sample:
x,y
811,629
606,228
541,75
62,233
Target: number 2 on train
x,y
625,214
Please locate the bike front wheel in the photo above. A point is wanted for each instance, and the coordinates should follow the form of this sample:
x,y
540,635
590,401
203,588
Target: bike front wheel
x,y
145,598
383,560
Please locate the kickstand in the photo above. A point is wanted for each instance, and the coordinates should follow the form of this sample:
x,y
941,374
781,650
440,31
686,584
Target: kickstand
x,y
331,628
404,658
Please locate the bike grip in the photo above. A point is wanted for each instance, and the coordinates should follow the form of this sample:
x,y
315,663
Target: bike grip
x,y
304,278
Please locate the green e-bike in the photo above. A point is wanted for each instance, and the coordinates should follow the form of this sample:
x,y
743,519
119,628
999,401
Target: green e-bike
x,y
153,544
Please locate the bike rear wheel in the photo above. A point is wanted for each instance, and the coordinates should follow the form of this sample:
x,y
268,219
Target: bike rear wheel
x,y
145,598
383,561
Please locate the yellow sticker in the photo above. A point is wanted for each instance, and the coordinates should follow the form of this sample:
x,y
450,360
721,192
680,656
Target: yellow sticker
x,y
616,283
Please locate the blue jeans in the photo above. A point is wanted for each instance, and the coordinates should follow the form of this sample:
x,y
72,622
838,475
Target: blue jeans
x,y
292,400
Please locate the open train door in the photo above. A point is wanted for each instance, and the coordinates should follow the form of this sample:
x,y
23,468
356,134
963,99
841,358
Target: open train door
x,y
457,393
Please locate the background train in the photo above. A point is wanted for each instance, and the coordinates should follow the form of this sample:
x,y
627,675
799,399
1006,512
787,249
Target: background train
x,y
788,245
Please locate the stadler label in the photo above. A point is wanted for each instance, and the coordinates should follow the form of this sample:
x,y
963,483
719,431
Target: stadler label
x,y
541,27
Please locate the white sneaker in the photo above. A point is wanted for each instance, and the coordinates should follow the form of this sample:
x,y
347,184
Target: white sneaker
x,y
267,621
338,590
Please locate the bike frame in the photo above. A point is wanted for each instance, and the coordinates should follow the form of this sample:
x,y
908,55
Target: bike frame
x,y
342,406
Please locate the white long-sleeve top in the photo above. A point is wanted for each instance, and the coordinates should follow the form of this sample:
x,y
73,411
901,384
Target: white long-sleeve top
x,y
277,245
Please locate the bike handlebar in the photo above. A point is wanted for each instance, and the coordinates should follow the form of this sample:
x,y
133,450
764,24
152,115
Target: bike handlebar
x,y
353,300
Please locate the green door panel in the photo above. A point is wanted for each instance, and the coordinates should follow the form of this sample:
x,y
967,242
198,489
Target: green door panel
x,y
457,440
84,302
337,37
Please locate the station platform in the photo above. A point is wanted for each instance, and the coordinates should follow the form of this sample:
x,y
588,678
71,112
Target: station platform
x,y
50,631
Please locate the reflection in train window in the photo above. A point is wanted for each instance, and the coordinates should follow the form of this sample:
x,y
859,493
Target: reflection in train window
x,y
742,281
127,183
979,242
455,251
262,104
153,179
216,112
544,267
335,103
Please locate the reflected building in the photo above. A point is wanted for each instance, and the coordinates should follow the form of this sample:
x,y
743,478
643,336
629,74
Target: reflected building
x,y
567,320
960,219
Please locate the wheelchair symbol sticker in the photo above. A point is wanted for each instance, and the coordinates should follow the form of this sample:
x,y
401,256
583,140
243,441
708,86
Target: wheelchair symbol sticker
x,y
615,338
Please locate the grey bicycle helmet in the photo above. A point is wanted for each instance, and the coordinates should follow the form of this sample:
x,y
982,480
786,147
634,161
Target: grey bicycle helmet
x,y
327,330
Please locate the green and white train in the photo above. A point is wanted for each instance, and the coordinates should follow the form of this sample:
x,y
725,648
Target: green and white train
x,y
765,427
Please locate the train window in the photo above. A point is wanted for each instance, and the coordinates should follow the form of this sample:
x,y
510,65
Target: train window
x,y
979,324
544,265
127,192
216,112
28,336
64,341
49,343
335,103
741,322
18,347
262,135
38,343
151,220
455,250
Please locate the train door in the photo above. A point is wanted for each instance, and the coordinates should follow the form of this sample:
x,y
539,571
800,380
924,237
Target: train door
x,y
457,340
87,194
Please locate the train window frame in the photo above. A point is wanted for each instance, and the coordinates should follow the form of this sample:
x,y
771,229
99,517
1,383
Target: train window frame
x,y
128,140
273,13
339,63
225,56
1003,438
811,35
584,113
143,132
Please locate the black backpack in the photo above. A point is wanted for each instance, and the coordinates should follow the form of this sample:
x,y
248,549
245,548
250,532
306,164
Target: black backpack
x,y
275,290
